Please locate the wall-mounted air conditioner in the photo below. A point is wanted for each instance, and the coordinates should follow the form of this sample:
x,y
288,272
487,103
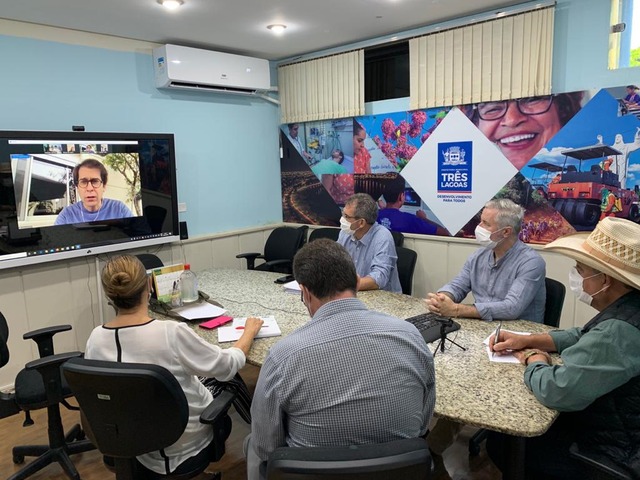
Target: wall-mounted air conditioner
x,y
193,68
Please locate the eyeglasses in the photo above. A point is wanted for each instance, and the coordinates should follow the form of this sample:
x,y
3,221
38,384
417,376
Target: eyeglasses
x,y
84,182
349,217
526,106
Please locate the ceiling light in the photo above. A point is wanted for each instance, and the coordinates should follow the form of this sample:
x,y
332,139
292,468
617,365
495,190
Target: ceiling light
x,y
277,28
171,4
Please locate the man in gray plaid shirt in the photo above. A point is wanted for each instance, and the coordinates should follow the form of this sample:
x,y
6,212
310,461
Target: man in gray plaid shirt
x,y
349,376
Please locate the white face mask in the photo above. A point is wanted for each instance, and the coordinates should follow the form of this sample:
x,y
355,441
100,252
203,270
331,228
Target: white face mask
x,y
575,284
483,237
345,226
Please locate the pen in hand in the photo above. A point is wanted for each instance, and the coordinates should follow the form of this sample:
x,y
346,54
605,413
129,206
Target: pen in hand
x,y
497,338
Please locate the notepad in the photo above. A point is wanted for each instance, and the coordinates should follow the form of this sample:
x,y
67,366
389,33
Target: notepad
x,y
233,332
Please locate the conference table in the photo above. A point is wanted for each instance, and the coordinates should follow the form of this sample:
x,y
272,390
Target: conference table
x,y
470,388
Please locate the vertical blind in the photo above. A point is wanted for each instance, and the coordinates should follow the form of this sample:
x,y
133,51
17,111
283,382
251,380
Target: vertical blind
x,y
328,87
496,60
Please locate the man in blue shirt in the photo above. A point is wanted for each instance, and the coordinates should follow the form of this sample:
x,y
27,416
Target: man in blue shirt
x,y
506,278
370,245
398,221
90,178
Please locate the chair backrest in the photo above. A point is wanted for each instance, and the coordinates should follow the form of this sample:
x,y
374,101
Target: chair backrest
x,y
402,459
406,265
284,242
129,408
4,338
324,232
554,301
150,261
398,238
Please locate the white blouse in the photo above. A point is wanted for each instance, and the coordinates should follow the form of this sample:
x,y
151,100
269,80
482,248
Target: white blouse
x,y
176,347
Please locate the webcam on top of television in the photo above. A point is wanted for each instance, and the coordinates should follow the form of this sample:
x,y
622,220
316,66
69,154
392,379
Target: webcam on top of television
x,y
77,128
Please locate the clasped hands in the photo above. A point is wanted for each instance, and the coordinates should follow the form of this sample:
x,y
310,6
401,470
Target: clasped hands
x,y
441,304
517,345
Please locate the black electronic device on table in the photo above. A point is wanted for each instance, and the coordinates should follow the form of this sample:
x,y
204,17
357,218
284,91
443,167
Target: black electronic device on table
x,y
435,327
285,279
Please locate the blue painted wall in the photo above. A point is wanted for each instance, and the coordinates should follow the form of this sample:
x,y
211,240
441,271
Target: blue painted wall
x,y
580,48
226,146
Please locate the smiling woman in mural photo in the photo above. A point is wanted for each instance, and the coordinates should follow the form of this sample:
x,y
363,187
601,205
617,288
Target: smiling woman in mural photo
x,y
521,127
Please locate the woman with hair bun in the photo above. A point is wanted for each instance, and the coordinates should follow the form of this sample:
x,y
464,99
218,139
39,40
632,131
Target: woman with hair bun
x,y
133,336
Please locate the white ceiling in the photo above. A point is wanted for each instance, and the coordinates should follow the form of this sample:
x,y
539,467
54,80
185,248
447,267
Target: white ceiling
x,y
239,26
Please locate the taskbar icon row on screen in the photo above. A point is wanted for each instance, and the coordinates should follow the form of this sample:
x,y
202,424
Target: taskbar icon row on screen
x,y
53,250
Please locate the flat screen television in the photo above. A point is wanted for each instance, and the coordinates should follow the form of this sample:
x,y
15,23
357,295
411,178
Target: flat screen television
x,y
68,194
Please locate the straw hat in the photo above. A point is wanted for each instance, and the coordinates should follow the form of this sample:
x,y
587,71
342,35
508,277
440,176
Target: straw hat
x,y
612,248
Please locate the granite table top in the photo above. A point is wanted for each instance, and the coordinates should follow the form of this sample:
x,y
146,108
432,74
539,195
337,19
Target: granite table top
x,y
470,388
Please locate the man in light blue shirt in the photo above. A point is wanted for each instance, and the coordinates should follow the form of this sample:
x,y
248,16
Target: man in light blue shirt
x,y
90,178
370,245
506,278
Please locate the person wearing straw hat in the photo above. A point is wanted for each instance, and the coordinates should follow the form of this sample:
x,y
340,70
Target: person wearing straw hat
x,y
597,386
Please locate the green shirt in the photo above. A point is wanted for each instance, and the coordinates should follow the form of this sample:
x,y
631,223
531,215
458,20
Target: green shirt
x,y
594,363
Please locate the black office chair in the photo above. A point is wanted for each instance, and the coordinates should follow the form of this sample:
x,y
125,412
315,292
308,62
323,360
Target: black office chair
x,y
150,260
402,459
324,232
8,405
555,292
134,408
599,467
554,302
40,385
398,238
279,250
406,265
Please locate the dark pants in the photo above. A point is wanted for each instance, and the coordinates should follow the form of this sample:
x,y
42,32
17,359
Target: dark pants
x,y
546,456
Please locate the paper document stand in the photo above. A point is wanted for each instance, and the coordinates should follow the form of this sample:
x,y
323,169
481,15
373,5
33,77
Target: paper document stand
x,y
168,311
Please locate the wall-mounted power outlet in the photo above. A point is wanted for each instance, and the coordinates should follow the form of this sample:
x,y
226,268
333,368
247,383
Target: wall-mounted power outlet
x,y
182,207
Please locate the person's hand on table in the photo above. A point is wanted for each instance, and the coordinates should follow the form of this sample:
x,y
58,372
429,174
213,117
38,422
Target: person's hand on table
x,y
509,343
512,343
252,326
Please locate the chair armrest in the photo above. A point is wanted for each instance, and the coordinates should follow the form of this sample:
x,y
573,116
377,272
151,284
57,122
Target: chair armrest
x,y
277,262
44,338
57,359
251,259
216,409
46,331
599,463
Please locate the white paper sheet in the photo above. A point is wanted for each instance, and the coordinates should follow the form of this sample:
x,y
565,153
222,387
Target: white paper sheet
x,y
292,287
199,310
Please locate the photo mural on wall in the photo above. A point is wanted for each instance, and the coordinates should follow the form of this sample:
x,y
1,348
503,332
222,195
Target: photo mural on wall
x,y
569,159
